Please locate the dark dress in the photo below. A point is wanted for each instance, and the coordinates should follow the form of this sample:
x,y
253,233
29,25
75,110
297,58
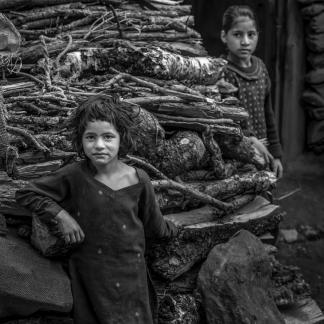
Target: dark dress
x,y
108,271
254,87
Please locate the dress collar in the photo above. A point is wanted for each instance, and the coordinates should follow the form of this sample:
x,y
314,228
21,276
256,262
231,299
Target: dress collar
x,y
252,72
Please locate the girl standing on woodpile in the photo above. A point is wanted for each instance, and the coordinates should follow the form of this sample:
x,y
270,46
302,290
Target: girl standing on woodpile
x,y
108,206
249,74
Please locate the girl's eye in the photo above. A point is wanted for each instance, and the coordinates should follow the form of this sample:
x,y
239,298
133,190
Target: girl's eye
x,y
252,34
237,35
107,137
90,137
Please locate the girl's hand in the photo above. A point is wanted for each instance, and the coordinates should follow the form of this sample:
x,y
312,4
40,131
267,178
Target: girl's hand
x,y
262,149
69,228
275,164
277,168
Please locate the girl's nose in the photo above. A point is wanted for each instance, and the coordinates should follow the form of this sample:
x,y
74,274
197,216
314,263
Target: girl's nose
x,y
245,40
99,143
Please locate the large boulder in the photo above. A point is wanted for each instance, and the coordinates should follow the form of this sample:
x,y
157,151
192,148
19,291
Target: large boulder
x,y
234,283
30,283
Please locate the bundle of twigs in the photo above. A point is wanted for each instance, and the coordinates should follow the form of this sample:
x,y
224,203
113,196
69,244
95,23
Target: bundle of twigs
x,y
190,138
182,99
101,23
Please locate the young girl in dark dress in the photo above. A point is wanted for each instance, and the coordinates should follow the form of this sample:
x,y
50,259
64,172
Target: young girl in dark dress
x,y
249,74
108,206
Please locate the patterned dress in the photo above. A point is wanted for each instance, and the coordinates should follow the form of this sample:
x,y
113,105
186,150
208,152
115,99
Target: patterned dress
x,y
110,281
254,93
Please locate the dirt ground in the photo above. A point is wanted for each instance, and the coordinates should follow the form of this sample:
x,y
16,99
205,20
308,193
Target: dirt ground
x,y
301,194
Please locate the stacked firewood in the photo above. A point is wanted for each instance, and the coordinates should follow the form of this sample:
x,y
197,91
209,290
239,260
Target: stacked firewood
x,y
206,173
313,96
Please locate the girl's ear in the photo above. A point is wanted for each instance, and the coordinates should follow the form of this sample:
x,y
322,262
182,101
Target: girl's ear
x,y
223,36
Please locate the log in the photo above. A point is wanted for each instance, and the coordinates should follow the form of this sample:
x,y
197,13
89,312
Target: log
x,y
248,183
182,47
201,125
163,36
234,283
204,214
13,4
168,12
62,29
9,207
149,61
149,130
200,110
35,122
17,87
243,151
178,256
32,157
33,53
43,23
8,187
182,152
31,171
65,11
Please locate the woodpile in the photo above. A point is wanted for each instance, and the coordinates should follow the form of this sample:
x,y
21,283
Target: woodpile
x,y
207,175
313,95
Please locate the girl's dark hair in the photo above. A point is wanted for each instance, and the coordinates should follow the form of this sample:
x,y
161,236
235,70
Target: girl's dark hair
x,y
234,12
104,108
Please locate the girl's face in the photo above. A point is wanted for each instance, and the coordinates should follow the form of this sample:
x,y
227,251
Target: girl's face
x,y
241,41
101,143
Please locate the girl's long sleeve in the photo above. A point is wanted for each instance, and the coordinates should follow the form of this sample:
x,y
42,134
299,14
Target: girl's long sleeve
x,y
272,133
46,196
155,225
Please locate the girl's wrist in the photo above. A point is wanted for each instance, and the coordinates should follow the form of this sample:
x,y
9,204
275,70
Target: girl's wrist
x,y
61,215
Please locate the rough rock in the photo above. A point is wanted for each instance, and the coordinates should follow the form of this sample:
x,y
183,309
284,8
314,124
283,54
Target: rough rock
x,y
30,283
235,283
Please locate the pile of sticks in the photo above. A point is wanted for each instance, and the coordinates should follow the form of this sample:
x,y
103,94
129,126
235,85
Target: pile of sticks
x,y
203,168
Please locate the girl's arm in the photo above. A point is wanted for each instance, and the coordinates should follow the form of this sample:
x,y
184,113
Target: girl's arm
x,y
272,134
44,197
155,225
